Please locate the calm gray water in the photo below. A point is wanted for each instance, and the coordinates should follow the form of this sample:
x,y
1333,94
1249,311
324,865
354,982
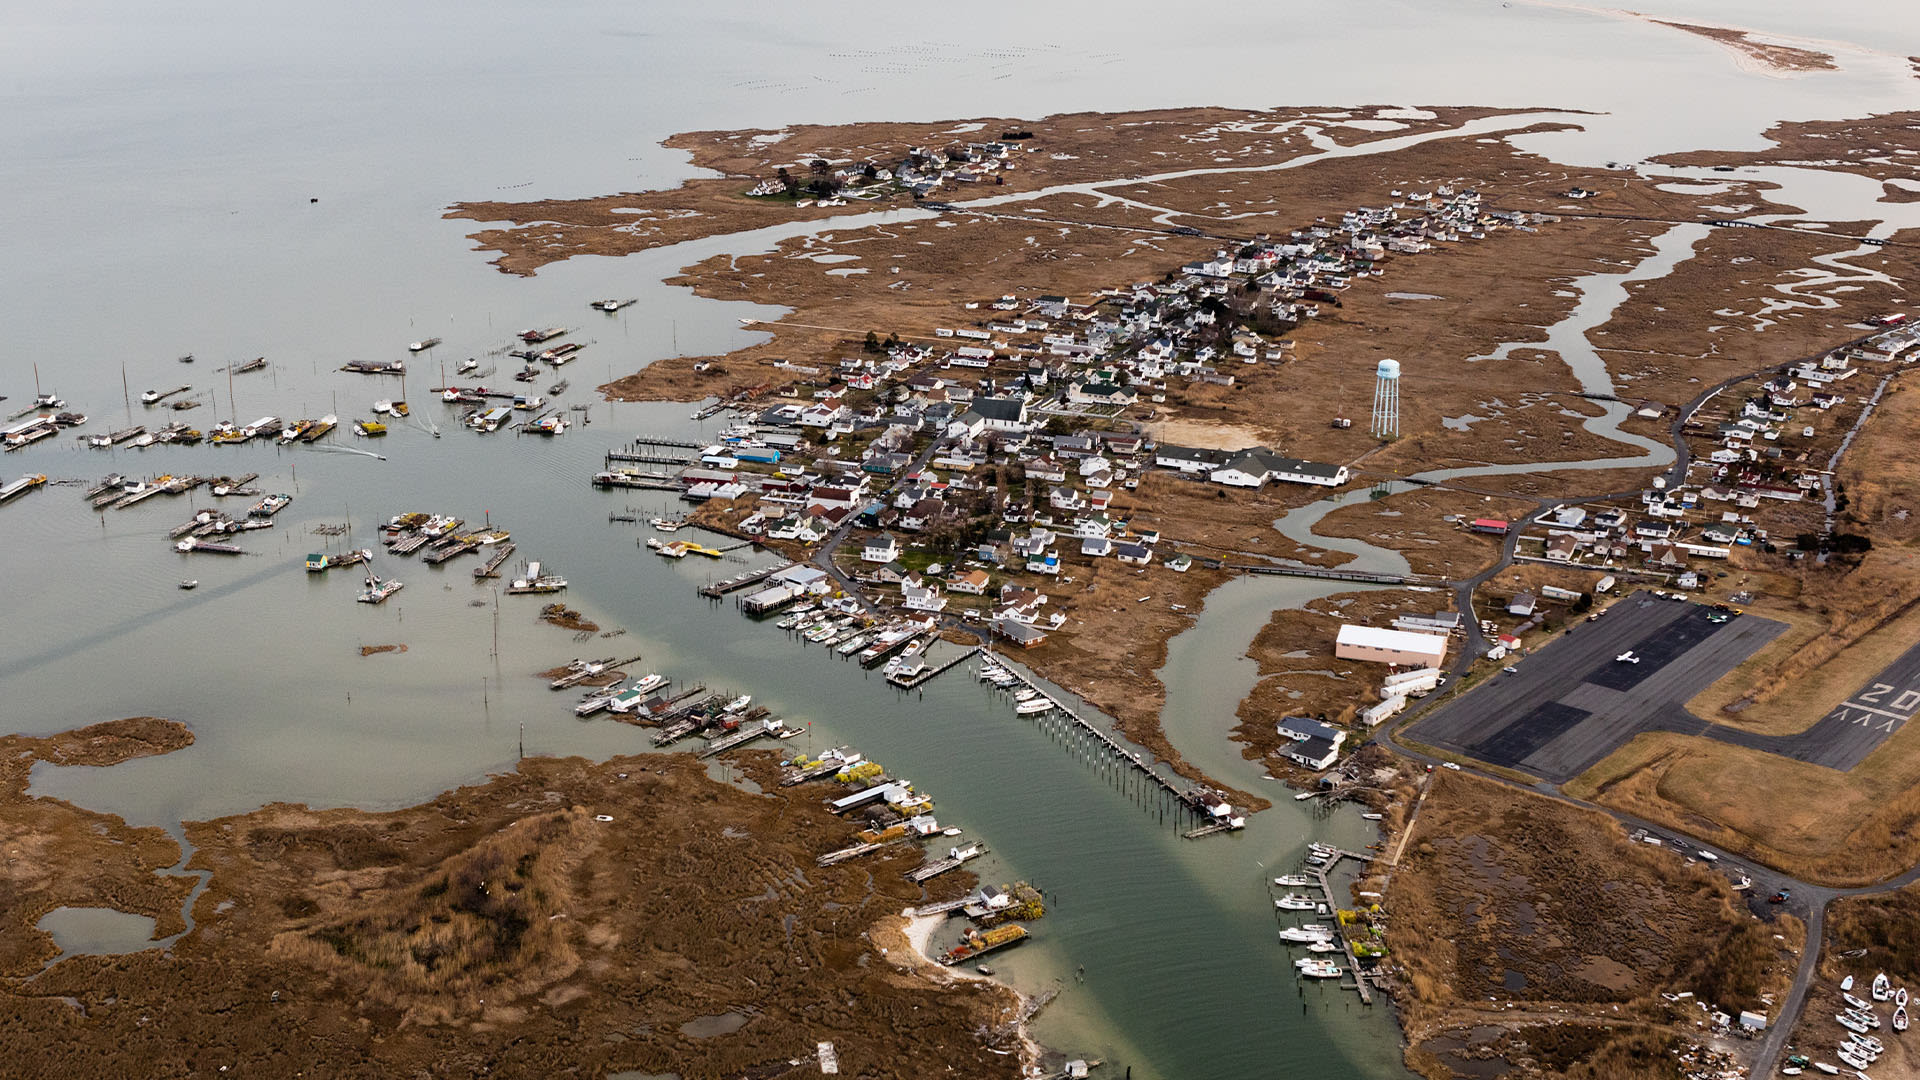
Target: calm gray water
x,y
160,166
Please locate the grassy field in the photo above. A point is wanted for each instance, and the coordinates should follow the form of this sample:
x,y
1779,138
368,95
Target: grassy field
x,y
1851,828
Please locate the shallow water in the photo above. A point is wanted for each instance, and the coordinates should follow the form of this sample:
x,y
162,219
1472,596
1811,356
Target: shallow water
x,y
158,204
97,931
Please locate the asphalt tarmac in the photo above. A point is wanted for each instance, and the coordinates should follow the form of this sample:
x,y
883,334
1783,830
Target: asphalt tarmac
x,y
1573,702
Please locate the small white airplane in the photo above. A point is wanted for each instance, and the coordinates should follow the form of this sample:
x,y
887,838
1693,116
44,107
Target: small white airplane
x,y
1627,658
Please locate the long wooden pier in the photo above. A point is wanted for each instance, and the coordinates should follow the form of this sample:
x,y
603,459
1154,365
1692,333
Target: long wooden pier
x,y
1107,742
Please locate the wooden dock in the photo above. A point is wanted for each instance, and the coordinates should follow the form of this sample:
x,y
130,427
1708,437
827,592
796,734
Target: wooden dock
x,y
718,589
644,481
747,733
927,675
491,568
928,871
1319,875
854,852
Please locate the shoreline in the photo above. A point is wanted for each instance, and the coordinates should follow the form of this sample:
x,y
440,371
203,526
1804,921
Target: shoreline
x,y
917,932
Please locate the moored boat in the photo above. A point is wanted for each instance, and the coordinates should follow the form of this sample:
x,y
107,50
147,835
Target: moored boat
x,y
423,345
1882,988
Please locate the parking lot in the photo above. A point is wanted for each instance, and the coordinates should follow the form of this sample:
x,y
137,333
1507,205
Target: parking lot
x,y
1572,703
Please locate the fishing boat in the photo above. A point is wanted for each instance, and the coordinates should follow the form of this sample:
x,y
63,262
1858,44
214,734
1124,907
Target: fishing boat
x,y
1323,947
1294,902
190,584
48,401
1900,1018
1319,969
534,337
1900,997
369,428
649,682
557,388
464,366
852,645
667,524
1037,705
382,407
1305,935
1026,694
1857,1060
1882,989
400,408
1298,881
610,306
1854,1001
1851,1022
378,590
423,345
738,704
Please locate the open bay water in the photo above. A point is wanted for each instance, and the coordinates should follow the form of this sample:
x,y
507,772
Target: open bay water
x,y
156,203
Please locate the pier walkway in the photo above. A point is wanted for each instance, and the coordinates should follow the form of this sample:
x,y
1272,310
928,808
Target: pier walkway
x,y
928,675
1319,876
718,589
1107,743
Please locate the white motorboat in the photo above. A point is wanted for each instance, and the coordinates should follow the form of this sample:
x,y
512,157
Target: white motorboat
x,y
1294,902
1320,969
1830,1070
1900,1018
1037,705
1293,880
1854,1001
1854,1060
466,365
1306,935
1027,694
1882,989
1323,946
1848,1021
383,406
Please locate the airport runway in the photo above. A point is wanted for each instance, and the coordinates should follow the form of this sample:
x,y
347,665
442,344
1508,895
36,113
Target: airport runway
x,y
1572,703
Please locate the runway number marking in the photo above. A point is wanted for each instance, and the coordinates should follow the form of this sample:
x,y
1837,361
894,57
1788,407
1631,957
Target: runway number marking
x,y
1875,711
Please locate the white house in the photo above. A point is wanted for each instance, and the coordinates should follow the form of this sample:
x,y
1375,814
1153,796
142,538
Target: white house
x,y
880,549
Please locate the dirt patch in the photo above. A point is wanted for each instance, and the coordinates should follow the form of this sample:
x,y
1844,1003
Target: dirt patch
x,y
1768,54
1415,523
1865,936
1509,908
509,929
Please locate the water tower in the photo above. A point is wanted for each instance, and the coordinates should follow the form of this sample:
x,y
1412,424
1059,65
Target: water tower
x,y
1386,400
